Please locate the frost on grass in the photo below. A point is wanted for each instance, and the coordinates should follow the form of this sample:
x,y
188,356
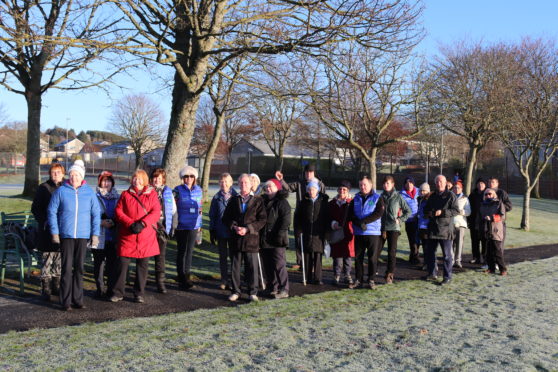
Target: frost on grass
x,y
479,322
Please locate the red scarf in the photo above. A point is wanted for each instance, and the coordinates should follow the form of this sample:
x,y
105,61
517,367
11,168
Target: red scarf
x,y
412,193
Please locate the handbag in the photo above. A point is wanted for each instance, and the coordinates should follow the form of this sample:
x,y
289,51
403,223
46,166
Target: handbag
x,y
337,235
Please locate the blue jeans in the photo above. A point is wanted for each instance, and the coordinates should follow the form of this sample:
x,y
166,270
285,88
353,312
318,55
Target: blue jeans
x,y
430,256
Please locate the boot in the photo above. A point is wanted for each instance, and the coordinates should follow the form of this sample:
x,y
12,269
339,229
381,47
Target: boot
x,y
188,283
56,285
161,283
45,289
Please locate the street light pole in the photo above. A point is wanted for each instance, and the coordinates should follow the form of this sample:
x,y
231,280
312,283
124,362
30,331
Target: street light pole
x,y
66,146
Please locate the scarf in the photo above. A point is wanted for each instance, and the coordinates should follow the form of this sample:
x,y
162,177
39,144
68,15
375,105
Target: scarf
x,y
412,193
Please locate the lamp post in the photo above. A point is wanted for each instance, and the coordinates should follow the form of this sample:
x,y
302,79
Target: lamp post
x,y
66,145
250,160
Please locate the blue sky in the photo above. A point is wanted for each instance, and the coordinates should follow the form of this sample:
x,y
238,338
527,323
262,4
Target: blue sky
x,y
445,21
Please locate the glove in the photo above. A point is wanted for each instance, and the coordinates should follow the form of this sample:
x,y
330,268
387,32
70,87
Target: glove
x,y
94,241
56,239
213,237
136,227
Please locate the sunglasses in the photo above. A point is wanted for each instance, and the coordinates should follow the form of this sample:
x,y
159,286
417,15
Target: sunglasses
x,y
188,176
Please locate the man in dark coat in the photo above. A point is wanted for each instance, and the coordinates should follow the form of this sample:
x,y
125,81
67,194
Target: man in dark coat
x,y
245,216
504,198
475,199
50,272
440,208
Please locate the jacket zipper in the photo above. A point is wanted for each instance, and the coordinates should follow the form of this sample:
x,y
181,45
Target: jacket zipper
x,y
76,215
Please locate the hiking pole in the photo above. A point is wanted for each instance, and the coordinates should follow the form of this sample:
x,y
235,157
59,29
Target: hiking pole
x,y
261,271
302,260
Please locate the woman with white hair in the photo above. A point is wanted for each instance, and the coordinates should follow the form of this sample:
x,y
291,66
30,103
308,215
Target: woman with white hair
x,y
188,197
256,185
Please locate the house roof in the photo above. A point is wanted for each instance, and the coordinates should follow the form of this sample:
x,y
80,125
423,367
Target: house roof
x,y
116,146
67,141
290,150
90,147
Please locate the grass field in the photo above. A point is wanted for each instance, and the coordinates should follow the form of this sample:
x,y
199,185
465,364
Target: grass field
x,y
480,322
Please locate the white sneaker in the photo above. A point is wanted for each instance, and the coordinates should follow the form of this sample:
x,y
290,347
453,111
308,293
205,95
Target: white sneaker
x,y
254,298
233,297
484,267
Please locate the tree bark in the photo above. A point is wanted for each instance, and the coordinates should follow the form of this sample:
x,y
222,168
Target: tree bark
x,y
33,155
206,174
469,172
372,167
525,215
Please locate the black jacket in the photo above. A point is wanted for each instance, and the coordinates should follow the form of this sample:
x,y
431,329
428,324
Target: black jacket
x,y
275,233
39,210
312,221
254,218
441,227
475,200
504,198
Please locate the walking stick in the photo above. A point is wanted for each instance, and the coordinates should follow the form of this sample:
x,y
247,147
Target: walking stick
x,y
302,259
261,271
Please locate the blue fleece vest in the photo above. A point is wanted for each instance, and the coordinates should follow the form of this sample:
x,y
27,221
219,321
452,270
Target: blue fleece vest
x,y
365,208
188,207
412,203
167,204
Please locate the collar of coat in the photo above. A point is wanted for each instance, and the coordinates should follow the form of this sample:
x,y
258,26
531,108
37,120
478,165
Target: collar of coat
x,y
112,194
146,190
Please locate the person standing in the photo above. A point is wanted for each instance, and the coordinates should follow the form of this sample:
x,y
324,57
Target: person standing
x,y
503,196
342,250
218,232
365,213
50,252
245,216
422,220
492,217
460,223
410,195
188,198
440,208
475,200
164,225
137,212
105,253
74,218
396,211
274,239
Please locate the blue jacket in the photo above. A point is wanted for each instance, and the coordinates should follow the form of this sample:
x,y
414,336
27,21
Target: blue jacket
x,y
167,206
422,221
412,203
107,207
216,210
74,213
188,207
364,208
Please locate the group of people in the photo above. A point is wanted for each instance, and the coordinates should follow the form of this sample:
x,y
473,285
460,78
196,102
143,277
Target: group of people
x,y
251,227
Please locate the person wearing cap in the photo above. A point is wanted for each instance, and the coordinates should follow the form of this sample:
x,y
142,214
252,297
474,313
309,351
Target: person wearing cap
x,y
410,194
478,245
491,225
342,250
164,225
440,208
311,222
274,239
396,211
219,233
460,223
74,218
299,188
257,188
50,252
188,198
422,220
245,216
104,254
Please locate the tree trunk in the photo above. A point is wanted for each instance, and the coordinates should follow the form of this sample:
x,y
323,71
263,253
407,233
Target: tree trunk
x,y
181,128
33,154
139,160
469,172
525,215
206,174
372,167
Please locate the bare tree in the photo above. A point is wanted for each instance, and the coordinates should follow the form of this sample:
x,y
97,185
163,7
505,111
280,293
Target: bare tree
x,y
532,133
141,121
46,45
186,34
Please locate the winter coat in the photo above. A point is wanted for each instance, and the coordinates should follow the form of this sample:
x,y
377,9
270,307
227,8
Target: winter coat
x,y
299,187
493,229
365,212
253,218
475,200
168,209
396,211
339,212
464,211
422,219
39,209
128,211
441,227
107,205
74,213
216,211
188,207
275,233
312,221
504,198
412,203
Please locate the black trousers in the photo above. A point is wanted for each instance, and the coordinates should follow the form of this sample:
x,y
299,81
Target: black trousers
x,y
185,240
478,245
363,244
99,268
391,237
275,269
313,266
160,259
141,276
224,258
71,280
495,255
111,265
412,236
251,271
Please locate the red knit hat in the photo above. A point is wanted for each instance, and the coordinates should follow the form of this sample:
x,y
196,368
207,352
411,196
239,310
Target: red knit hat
x,y
276,182
103,175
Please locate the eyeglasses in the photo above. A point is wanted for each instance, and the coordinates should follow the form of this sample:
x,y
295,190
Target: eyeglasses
x,y
188,176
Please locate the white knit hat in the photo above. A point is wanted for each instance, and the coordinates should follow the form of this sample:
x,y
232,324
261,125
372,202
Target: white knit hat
x,y
79,167
188,170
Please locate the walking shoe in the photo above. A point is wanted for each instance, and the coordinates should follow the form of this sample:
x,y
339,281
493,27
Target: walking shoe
x,y
497,267
488,271
349,280
458,265
79,306
355,285
445,281
337,278
484,267
223,286
234,297
282,294
115,298
389,278
504,273
67,308
139,299
371,284
474,261
431,278
253,298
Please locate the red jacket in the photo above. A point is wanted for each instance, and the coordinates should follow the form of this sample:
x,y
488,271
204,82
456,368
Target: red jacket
x,y
128,211
346,247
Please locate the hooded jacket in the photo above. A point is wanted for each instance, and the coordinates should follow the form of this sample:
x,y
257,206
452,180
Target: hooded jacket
x,y
275,233
464,211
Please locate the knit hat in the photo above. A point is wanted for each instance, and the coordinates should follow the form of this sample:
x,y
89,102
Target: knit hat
x,y
346,184
276,182
79,167
188,171
309,168
313,183
103,175
410,179
425,187
480,179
